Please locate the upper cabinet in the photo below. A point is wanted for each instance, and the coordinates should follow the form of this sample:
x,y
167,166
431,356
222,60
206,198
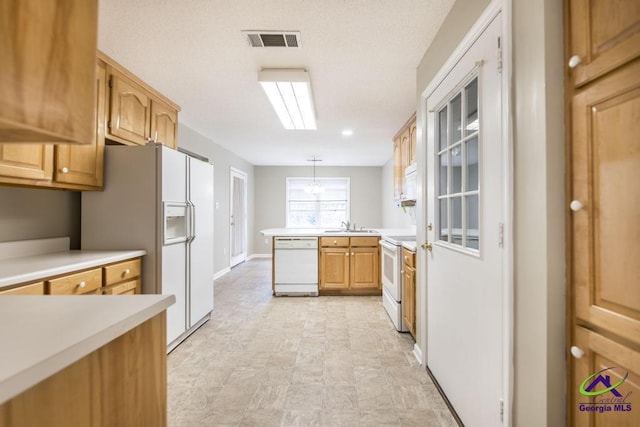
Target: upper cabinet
x,y
404,155
138,114
47,75
603,37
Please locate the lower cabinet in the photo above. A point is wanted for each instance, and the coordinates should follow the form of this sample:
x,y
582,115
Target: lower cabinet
x,y
32,289
349,266
409,291
120,278
123,383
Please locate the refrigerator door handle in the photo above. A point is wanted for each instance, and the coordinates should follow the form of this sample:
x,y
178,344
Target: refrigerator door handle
x,y
192,220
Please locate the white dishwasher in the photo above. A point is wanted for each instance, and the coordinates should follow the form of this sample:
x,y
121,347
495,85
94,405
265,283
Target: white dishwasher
x,y
295,266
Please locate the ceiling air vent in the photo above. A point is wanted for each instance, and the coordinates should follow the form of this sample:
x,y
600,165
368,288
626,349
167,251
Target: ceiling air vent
x,y
273,38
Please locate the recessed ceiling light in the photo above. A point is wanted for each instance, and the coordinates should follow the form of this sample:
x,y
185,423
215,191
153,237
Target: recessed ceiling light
x,y
347,132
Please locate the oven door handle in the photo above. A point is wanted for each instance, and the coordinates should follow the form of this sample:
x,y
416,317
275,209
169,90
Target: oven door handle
x,y
387,245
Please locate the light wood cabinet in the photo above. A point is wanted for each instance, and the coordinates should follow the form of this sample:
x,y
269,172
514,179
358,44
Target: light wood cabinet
x,y
84,165
76,284
123,277
138,114
28,162
63,166
602,103
32,289
404,155
409,291
123,383
48,69
349,266
603,36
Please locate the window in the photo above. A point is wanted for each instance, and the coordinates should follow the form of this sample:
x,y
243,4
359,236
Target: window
x,y
322,210
457,131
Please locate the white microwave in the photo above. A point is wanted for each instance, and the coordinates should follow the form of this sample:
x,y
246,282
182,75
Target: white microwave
x,y
410,182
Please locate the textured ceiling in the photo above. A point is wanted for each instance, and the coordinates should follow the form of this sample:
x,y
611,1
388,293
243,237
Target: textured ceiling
x,y
361,55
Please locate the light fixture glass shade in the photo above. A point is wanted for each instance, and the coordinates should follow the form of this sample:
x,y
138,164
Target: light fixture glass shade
x,y
289,91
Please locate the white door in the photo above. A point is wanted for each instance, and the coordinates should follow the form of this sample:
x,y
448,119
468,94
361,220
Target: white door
x,y
238,217
466,208
201,245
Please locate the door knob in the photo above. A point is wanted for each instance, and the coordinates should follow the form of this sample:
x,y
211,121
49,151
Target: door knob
x,y
576,205
576,352
428,246
574,61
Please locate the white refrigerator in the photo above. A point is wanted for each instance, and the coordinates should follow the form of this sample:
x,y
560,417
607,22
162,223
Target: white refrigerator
x,y
160,200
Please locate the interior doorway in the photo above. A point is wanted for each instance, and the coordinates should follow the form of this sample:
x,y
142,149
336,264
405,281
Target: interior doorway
x,y
237,217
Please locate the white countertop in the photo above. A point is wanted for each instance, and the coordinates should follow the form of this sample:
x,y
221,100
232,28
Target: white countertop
x,y
411,245
316,232
41,335
35,267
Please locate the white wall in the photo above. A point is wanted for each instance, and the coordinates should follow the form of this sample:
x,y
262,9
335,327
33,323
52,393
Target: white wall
x,y
222,160
270,197
394,216
27,213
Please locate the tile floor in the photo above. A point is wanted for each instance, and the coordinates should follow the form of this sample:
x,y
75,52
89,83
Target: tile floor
x,y
297,361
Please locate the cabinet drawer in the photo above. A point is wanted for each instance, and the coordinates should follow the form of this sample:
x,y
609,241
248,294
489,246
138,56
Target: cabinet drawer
x,y
127,288
334,241
408,257
115,273
76,284
369,242
33,289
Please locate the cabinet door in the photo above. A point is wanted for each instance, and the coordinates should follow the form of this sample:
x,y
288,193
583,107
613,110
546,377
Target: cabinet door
x,y
46,78
131,287
334,268
617,407
164,124
83,164
398,172
605,172
129,113
604,35
412,143
409,299
26,161
364,268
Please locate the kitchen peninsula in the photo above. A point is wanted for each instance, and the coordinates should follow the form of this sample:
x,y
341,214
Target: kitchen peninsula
x,y
337,262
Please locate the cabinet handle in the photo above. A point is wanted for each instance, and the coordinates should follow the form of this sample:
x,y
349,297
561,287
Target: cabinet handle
x,y
346,254
401,271
64,170
406,258
127,271
574,61
82,284
335,242
576,205
577,352
351,253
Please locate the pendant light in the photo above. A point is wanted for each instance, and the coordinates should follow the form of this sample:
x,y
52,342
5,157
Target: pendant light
x,y
314,188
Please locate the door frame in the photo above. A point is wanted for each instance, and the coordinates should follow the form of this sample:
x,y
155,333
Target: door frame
x,y
420,348
237,173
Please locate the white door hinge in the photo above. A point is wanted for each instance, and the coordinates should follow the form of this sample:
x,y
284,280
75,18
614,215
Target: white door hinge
x,y
501,235
499,55
501,410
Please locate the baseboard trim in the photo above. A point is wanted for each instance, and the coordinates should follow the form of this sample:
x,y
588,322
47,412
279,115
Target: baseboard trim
x,y
252,256
221,273
417,353
445,398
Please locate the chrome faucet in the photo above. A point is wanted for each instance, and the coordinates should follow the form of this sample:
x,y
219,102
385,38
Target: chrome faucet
x,y
346,225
